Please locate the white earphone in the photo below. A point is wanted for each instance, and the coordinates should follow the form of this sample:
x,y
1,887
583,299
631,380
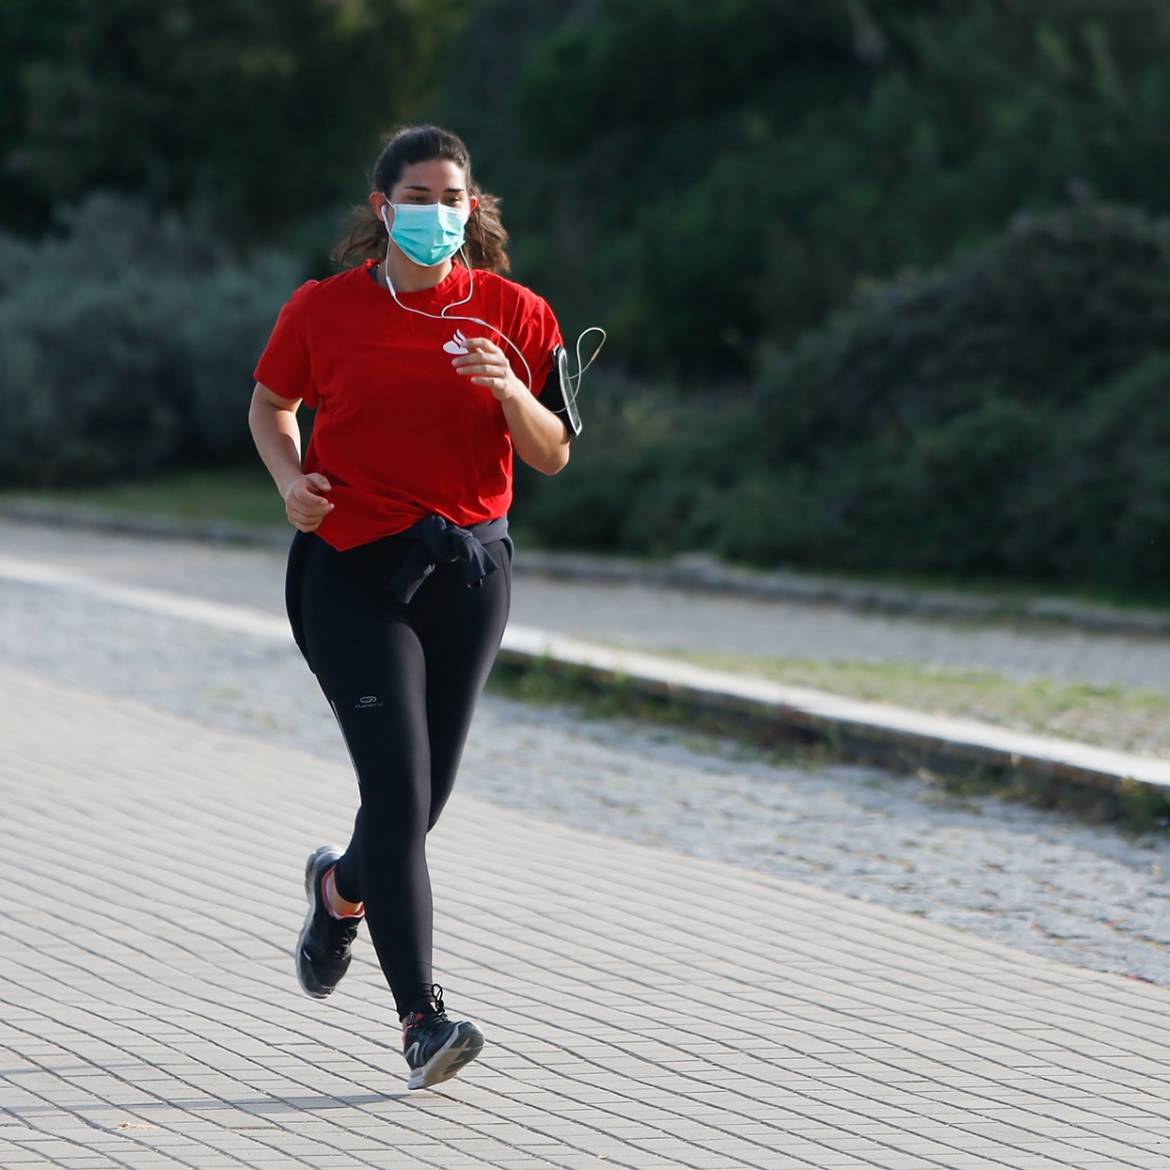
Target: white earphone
x,y
443,315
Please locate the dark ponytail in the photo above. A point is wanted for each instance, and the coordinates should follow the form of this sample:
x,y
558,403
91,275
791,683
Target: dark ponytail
x,y
485,238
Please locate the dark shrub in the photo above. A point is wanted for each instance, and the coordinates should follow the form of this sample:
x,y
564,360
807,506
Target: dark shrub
x,y
1008,416
127,346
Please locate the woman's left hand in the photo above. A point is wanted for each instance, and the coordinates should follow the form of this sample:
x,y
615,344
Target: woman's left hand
x,y
487,365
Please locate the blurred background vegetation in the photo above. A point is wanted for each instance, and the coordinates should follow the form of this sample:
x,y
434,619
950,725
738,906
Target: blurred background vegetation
x,y
887,283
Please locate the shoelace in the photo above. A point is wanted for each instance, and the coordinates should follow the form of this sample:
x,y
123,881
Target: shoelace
x,y
426,1019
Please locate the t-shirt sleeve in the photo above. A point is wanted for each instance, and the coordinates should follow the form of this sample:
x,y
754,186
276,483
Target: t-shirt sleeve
x,y
539,334
284,365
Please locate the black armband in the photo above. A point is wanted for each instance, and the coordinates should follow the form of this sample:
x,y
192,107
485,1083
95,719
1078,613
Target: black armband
x,y
557,393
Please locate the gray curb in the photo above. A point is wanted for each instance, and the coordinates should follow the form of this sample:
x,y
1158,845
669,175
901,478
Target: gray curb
x,y
875,731
699,572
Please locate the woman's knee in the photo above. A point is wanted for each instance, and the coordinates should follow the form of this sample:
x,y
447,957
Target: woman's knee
x,y
394,781
394,818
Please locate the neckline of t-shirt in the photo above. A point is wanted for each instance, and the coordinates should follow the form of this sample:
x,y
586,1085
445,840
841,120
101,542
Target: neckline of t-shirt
x,y
450,283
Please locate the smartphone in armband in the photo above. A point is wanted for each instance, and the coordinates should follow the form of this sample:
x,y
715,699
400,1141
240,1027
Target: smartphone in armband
x,y
568,394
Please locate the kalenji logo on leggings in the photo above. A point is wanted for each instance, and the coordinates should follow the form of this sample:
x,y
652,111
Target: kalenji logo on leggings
x,y
369,701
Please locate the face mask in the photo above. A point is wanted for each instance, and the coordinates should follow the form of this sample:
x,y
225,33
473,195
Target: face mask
x,y
428,233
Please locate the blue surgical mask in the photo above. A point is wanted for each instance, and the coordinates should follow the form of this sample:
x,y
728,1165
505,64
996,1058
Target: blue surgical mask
x,y
428,233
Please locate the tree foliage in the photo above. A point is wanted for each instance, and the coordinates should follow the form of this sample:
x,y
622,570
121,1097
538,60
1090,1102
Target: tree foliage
x,y
715,180
262,111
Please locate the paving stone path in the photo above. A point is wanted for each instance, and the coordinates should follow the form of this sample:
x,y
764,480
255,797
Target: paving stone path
x,y
683,955
643,1009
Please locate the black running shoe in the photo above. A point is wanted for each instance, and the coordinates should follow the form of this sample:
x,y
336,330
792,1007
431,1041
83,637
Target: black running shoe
x,y
323,953
435,1047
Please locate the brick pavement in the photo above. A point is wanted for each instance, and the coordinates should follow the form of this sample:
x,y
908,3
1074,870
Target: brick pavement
x,y
643,1009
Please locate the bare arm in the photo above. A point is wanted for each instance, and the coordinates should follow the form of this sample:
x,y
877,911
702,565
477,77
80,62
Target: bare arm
x,y
273,423
539,437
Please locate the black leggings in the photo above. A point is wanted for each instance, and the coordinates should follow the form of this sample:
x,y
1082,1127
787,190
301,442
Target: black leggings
x,y
403,681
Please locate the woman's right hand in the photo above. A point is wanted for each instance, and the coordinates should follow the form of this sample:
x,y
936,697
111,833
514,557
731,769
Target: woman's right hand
x,y
305,507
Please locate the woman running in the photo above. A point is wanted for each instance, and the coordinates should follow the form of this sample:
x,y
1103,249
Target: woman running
x,y
426,368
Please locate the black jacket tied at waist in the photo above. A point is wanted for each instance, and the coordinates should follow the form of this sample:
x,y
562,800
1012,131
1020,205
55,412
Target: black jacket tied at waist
x,y
429,542
436,540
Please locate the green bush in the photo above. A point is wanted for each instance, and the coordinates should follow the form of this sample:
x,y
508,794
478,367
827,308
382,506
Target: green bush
x,y
127,345
1008,416
588,505
643,472
973,421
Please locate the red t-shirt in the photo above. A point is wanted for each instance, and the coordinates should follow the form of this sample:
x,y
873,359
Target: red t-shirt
x,y
398,432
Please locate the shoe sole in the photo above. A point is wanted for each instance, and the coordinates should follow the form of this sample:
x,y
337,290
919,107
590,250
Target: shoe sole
x,y
465,1045
309,985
